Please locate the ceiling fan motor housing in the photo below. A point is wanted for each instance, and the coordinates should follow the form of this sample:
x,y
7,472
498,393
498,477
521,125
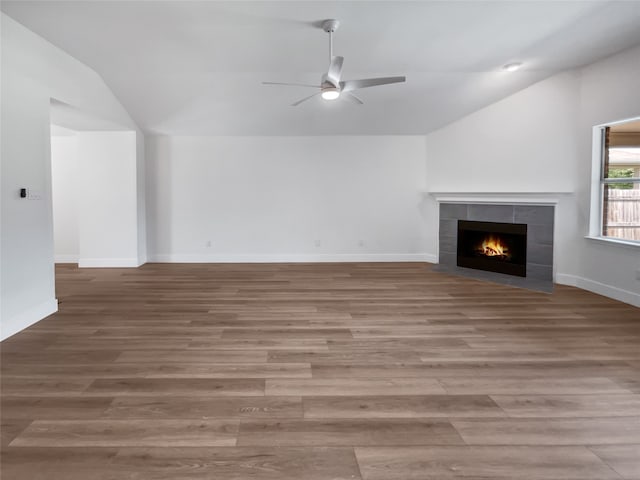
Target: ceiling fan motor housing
x,y
326,83
330,25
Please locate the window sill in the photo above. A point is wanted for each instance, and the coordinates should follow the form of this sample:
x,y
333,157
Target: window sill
x,y
615,241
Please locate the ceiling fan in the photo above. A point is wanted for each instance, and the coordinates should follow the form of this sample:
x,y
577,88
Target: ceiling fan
x,y
331,86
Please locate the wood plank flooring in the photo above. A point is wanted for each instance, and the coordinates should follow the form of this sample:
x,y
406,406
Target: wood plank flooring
x,y
320,372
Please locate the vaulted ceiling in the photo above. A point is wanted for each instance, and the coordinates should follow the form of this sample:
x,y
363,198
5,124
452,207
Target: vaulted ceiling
x,y
195,68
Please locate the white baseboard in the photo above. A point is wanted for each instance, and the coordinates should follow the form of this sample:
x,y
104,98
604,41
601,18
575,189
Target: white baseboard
x,y
431,258
65,259
293,258
11,326
108,262
616,293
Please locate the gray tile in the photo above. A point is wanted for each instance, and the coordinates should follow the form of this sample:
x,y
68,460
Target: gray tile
x,y
457,211
486,275
491,213
540,234
545,286
448,228
536,214
448,244
539,272
447,258
540,254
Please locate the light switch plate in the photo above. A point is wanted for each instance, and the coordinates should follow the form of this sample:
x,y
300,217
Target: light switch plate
x,y
34,195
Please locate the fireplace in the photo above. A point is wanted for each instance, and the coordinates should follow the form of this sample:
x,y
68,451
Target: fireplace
x,y
492,246
535,261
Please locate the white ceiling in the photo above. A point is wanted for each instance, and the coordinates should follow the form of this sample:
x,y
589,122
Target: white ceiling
x,y
194,68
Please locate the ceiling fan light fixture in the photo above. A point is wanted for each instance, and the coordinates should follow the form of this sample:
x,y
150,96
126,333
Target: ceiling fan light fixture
x,y
330,93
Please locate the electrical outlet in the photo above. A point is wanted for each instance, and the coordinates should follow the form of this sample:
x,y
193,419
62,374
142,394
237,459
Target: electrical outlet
x,y
361,243
638,274
318,243
208,244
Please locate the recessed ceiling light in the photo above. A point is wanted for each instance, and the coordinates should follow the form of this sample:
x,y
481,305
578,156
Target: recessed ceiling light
x,y
512,67
330,93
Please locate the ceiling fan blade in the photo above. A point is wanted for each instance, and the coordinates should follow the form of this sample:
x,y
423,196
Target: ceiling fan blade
x,y
352,98
304,99
291,84
369,82
335,70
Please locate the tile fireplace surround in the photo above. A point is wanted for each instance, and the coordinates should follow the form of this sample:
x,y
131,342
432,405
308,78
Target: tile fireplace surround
x,y
539,220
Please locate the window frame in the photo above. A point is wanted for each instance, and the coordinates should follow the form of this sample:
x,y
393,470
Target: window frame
x,y
598,185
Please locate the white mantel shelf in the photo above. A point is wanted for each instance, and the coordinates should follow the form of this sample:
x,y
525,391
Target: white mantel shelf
x,y
529,198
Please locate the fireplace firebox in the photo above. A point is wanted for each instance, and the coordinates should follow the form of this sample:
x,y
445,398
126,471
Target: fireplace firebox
x,y
492,246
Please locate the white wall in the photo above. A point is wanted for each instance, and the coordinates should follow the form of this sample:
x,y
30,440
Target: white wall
x,y
33,72
95,194
141,199
64,179
539,140
107,199
524,143
609,91
285,198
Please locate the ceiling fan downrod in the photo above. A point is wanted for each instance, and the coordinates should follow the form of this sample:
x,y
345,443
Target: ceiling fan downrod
x,y
330,26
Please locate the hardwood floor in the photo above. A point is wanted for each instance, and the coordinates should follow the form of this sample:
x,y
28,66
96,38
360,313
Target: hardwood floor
x,y
320,372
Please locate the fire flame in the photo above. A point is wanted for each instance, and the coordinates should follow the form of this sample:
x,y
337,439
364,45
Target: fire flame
x,y
493,247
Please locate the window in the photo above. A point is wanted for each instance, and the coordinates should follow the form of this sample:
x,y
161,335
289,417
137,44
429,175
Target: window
x,y
620,181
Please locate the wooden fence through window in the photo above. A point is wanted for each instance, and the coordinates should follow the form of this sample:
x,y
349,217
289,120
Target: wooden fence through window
x,y
623,213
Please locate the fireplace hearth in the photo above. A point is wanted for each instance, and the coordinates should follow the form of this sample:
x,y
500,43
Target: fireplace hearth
x,y
493,246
